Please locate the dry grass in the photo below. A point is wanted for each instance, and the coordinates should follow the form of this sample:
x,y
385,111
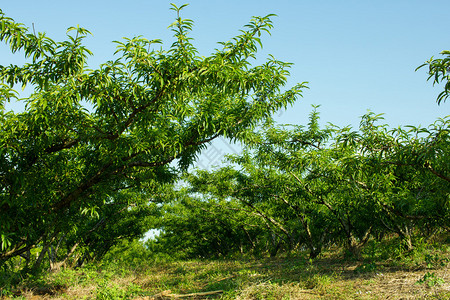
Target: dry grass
x,y
328,277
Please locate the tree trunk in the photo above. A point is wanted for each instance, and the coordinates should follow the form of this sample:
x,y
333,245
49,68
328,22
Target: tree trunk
x,y
41,256
354,245
405,233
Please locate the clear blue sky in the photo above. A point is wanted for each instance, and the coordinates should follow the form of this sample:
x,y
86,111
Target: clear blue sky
x,y
356,55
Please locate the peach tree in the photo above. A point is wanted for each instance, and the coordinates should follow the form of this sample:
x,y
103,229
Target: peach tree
x,y
96,146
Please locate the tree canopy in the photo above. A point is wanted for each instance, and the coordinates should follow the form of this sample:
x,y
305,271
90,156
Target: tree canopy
x,y
92,151
296,187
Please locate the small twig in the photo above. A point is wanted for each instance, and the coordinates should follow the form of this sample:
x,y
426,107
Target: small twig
x,y
168,294
195,294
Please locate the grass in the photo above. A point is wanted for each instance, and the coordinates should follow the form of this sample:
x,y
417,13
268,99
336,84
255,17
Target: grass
x,y
419,275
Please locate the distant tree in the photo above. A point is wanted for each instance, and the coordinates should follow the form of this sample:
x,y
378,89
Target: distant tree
x,y
89,139
197,228
315,186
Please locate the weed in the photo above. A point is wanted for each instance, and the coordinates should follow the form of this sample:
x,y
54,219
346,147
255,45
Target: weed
x,y
5,292
430,279
318,281
269,291
433,261
106,292
366,267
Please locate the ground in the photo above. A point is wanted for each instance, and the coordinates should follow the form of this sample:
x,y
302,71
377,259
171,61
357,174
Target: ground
x,y
420,276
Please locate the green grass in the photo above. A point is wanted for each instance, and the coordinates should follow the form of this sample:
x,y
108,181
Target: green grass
x,y
421,274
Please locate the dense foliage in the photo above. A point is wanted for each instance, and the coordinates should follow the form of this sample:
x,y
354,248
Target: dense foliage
x,y
295,187
96,157
88,160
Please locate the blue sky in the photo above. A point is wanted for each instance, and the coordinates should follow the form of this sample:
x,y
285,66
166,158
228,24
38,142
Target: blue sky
x,y
356,55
